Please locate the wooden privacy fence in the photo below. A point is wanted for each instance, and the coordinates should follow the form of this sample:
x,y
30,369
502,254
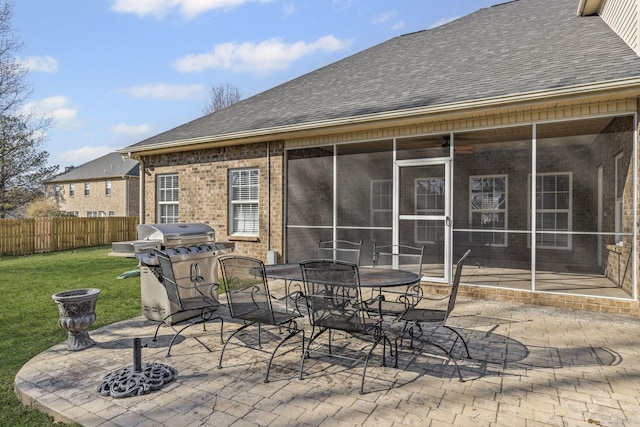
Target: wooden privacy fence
x,y
37,235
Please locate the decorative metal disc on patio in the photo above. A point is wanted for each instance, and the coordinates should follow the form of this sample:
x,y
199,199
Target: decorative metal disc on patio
x,y
137,379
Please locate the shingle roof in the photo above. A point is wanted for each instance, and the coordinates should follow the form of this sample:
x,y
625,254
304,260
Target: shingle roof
x,y
507,49
112,165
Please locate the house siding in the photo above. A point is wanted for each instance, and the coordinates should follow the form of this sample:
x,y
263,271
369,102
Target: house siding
x,y
622,17
474,121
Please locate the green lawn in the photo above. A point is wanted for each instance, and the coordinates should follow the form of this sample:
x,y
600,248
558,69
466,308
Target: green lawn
x,y
29,317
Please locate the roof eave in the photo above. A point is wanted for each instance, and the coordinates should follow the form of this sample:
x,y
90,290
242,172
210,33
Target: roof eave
x,y
280,132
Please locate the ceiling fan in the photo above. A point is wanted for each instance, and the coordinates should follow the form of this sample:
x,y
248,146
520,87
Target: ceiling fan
x,y
458,149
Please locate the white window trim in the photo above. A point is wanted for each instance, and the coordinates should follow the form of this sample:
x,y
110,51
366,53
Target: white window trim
x,y
107,187
569,213
248,202
505,210
160,203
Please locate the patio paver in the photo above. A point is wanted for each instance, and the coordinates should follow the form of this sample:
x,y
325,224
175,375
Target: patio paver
x,y
531,366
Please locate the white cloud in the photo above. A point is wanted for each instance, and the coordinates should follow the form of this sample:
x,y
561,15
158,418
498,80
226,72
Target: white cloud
x,y
289,9
131,130
59,108
260,58
82,155
384,17
188,8
166,91
47,64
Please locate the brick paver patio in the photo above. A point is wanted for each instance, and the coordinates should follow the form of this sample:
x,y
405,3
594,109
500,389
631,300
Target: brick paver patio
x,y
532,366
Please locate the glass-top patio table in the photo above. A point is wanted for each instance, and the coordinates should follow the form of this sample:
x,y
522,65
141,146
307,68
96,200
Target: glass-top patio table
x,y
369,277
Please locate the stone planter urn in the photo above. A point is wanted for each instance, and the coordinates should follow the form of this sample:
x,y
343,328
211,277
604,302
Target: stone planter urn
x,y
77,309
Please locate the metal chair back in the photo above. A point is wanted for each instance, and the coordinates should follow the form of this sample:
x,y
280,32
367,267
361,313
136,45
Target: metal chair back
x,y
455,285
340,250
182,289
332,290
245,283
190,294
403,257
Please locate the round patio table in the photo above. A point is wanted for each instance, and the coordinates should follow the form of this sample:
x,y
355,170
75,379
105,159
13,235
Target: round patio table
x,y
369,277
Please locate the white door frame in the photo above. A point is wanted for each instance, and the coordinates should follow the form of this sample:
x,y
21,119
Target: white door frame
x,y
446,218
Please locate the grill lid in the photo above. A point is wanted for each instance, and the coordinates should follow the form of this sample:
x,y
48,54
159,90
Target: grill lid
x,y
177,234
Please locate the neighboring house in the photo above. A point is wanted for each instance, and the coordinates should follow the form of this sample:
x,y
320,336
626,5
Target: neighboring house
x,y
511,131
106,186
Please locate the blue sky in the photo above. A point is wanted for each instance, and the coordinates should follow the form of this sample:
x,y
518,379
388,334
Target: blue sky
x,y
114,72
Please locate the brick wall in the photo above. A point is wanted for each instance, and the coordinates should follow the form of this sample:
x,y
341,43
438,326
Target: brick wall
x,y
203,191
124,199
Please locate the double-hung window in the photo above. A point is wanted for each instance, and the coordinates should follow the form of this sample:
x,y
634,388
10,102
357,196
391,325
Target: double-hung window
x,y
87,189
488,208
553,210
107,187
381,202
72,190
243,201
167,188
429,200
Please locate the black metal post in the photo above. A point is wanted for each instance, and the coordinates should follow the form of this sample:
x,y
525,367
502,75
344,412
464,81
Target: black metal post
x,y
137,355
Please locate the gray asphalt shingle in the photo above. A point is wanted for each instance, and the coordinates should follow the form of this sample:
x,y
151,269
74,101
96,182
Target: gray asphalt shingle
x,y
111,165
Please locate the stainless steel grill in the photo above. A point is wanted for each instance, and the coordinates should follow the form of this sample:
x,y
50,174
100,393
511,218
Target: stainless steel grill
x,y
185,244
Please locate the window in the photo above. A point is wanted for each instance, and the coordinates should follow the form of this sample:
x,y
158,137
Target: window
x,y
92,214
243,200
112,213
553,210
167,187
488,208
107,187
72,190
429,200
86,189
381,203
56,191
620,178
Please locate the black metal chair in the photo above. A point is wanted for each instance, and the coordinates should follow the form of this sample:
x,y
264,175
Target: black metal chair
x,y
189,293
340,250
395,301
245,283
415,317
334,302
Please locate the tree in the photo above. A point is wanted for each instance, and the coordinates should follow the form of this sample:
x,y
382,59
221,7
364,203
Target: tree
x,y
13,88
222,96
45,208
23,166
